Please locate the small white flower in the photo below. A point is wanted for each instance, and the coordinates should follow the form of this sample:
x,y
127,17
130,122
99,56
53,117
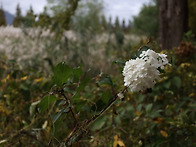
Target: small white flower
x,y
141,73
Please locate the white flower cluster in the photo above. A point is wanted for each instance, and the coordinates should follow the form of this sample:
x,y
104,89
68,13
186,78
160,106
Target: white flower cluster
x,y
141,73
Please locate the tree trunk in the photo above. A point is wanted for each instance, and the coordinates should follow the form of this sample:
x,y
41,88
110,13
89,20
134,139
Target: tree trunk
x,y
173,22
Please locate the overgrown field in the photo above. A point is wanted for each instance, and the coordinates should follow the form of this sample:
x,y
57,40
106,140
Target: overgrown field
x,y
51,86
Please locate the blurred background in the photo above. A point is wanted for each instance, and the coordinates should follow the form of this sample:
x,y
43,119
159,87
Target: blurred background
x,y
99,36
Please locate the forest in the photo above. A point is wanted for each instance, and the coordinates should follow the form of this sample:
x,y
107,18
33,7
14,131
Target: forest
x,y
70,76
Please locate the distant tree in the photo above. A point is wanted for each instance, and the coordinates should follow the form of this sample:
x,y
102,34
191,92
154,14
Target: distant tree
x,y
173,22
88,16
18,18
2,17
146,23
110,26
124,25
104,22
29,19
110,20
83,17
44,19
62,11
117,23
118,32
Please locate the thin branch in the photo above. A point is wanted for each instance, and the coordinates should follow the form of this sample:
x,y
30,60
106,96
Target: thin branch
x,y
78,131
71,134
106,107
70,107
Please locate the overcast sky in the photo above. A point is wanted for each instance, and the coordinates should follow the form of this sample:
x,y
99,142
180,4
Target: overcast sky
x,y
125,9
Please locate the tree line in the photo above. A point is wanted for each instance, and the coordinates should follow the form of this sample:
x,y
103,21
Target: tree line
x,y
45,20
164,20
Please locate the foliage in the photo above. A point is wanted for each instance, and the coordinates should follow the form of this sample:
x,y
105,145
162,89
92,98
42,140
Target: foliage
x,y
117,23
82,100
62,14
18,18
44,20
2,17
192,14
87,18
29,19
160,117
146,23
18,89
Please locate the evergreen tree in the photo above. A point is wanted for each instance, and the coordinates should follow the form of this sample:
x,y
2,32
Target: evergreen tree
x,y
44,19
29,19
109,25
146,23
88,17
2,17
118,33
124,28
110,20
18,19
117,24
104,22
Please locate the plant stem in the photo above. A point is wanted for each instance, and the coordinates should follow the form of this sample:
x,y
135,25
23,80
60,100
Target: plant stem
x,y
79,130
70,107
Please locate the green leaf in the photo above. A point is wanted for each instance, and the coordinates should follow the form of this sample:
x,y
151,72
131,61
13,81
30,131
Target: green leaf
x,y
106,96
81,106
62,73
140,98
143,48
117,120
33,107
105,80
139,107
84,82
99,123
129,108
77,72
45,102
56,117
24,87
177,81
119,61
149,107
156,113
173,61
167,84
98,106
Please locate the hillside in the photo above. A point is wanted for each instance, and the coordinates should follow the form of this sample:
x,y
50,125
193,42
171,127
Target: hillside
x,y
9,17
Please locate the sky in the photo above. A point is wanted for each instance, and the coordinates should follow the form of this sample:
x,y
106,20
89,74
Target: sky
x,y
124,9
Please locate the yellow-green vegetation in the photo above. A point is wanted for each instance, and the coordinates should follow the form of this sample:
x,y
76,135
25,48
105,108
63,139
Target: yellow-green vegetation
x,y
192,15
65,88
36,109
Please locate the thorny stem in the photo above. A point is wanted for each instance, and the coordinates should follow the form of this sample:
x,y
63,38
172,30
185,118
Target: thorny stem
x,y
78,131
